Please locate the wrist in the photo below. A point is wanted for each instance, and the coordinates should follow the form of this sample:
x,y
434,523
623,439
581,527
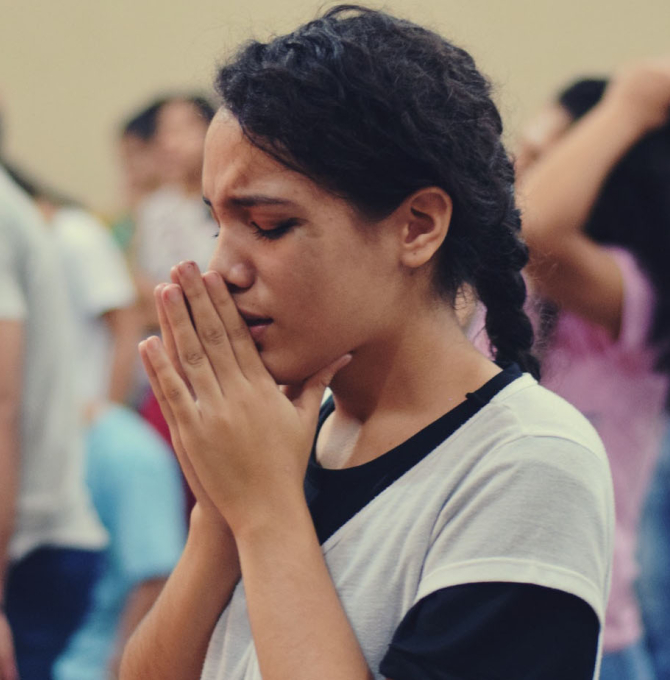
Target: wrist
x,y
287,517
209,532
630,120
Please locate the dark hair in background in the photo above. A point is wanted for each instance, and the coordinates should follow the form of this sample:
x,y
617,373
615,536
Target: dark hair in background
x,y
374,108
633,208
204,106
143,123
35,189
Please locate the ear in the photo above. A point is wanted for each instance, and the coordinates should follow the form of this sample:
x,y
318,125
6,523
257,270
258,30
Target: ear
x,y
426,215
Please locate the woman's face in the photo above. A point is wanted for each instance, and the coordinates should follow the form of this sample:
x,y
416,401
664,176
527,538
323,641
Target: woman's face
x,y
312,279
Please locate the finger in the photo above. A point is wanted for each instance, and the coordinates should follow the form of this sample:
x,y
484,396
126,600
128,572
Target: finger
x,y
158,393
245,351
208,324
182,457
307,398
173,388
166,331
192,356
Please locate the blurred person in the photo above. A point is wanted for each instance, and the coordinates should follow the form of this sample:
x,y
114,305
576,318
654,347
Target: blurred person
x,y
173,223
140,168
442,515
50,538
653,584
132,476
594,188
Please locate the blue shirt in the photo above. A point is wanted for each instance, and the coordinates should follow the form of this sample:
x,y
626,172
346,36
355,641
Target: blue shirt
x,y
136,487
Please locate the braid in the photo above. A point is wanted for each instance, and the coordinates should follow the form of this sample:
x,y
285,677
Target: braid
x,y
502,290
507,325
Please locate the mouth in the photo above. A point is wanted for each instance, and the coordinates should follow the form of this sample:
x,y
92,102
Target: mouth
x,y
257,325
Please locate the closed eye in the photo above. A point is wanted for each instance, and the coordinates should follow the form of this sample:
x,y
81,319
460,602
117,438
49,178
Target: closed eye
x,y
275,232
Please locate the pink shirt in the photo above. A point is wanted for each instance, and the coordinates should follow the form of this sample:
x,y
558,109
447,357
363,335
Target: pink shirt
x,y
613,383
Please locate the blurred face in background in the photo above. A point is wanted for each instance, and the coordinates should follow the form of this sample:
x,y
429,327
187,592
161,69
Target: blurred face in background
x,y
139,166
180,140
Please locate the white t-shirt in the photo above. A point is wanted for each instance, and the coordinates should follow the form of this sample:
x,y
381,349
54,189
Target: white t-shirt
x,y
519,493
99,281
53,505
172,227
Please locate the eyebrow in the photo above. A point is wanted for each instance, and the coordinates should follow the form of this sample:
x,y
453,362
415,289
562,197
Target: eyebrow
x,y
253,200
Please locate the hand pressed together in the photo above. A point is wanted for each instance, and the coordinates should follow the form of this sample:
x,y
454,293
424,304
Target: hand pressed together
x,y
242,442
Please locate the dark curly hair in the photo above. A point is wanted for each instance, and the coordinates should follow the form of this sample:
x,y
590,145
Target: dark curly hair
x,y
633,207
373,108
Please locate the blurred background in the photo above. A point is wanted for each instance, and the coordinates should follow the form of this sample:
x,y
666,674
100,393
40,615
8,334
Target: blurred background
x,y
73,70
104,106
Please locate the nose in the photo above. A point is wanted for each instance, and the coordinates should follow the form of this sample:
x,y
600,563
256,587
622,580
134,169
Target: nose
x,y
232,262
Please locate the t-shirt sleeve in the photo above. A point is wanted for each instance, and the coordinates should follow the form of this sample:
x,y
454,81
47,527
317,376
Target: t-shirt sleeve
x,y
96,269
495,630
639,299
538,510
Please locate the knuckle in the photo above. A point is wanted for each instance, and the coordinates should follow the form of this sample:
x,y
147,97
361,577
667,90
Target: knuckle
x,y
239,332
194,358
214,335
173,393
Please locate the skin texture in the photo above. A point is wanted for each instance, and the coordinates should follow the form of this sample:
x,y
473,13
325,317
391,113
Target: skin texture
x,y
352,305
559,190
11,361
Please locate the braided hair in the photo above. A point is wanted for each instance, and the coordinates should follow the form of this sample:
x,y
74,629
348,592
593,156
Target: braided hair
x,y
373,108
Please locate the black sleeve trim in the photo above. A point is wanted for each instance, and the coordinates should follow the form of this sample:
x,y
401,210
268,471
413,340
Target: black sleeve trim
x,y
495,631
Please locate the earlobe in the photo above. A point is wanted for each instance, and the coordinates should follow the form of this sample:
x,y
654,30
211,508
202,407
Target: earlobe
x,y
427,217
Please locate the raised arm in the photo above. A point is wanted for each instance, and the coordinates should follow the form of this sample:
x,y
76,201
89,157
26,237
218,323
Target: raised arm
x,y
558,193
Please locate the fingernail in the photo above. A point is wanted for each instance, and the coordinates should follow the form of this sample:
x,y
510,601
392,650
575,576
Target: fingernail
x,y
187,268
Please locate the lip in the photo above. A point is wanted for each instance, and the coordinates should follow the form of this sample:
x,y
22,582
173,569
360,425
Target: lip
x,y
256,324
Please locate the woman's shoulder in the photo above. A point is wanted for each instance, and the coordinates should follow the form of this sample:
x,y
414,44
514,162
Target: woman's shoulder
x,y
527,414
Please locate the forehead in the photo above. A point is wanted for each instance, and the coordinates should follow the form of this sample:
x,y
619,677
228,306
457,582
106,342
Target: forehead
x,y
177,113
234,166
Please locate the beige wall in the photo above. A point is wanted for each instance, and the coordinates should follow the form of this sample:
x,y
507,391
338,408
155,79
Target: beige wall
x,y
70,70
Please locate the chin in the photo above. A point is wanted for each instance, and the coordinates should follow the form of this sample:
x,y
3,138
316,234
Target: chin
x,y
291,370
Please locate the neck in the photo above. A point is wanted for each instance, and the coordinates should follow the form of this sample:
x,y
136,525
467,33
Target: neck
x,y
389,393
427,367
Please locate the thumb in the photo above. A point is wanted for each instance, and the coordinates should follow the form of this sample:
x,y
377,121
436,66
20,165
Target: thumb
x,y
307,398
